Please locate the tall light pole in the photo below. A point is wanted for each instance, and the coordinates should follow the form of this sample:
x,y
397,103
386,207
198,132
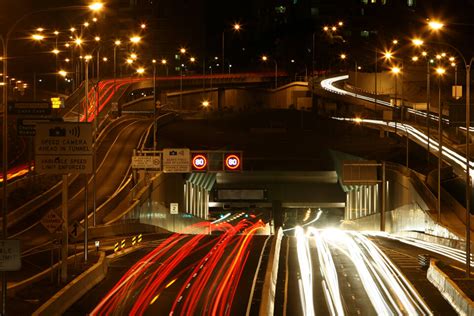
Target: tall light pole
x,y
236,27
265,59
440,72
116,44
154,104
164,62
5,39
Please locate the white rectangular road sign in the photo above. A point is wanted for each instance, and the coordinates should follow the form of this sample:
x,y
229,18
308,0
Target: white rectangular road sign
x,y
10,259
63,147
63,139
63,164
146,162
177,160
174,208
52,221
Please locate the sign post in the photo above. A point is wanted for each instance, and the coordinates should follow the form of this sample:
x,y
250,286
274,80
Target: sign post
x,y
63,148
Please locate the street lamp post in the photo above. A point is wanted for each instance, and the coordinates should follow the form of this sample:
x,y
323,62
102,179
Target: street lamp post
x,y
440,72
265,59
154,104
235,27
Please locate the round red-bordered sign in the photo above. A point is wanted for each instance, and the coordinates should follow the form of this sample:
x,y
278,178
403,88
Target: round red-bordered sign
x,y
232,162
199,162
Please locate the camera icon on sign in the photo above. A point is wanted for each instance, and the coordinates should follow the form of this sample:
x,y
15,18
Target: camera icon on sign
x,y
57,132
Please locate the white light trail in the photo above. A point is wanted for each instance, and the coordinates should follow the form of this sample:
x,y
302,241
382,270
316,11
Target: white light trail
x,y
449,252
387,288
306,272
329,273
447,152
328,85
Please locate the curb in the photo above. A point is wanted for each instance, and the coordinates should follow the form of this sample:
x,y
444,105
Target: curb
x,y
449,289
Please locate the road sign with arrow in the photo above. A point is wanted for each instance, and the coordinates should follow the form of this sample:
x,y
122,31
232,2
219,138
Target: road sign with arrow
x,y
76,229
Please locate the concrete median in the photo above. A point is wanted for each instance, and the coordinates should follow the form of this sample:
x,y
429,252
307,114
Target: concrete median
x,y
450,291
267,305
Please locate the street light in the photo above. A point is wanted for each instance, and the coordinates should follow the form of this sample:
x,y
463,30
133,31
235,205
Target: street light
x,y
37,37
435,25
417,42
164,62
135,39
440,72
154,103
235,27
96,6
117,43
265,59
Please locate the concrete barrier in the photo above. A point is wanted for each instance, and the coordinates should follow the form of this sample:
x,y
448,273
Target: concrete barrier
x,y
267,305
63,299
73,291
13,288
450,291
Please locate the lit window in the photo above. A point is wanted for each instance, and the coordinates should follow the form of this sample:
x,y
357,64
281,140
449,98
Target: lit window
x,y
411,3
365,1
364,33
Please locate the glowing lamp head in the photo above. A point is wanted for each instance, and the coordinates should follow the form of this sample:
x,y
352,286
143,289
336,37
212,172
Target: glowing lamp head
x,y
417,41
387,55
205,103
395,42
340,23
133,56
129,61
86,24
105,59
192,59
56,33
396,70
164,61
424,54
236,27
135,39
141,71
264,58
451,59
117,42
333,28
440,71
62,73
182,50
78,41
343,56
96,6
55,51
37,37
143,26
435,25
97,38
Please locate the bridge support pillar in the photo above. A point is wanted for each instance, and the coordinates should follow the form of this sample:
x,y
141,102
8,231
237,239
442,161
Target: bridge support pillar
x,y
277,215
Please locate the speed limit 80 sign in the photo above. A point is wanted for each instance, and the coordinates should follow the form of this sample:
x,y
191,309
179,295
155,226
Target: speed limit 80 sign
x,y
233,162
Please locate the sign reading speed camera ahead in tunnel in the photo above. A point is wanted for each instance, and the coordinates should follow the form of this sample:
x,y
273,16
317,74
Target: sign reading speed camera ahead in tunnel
x,y
233,162
199,162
